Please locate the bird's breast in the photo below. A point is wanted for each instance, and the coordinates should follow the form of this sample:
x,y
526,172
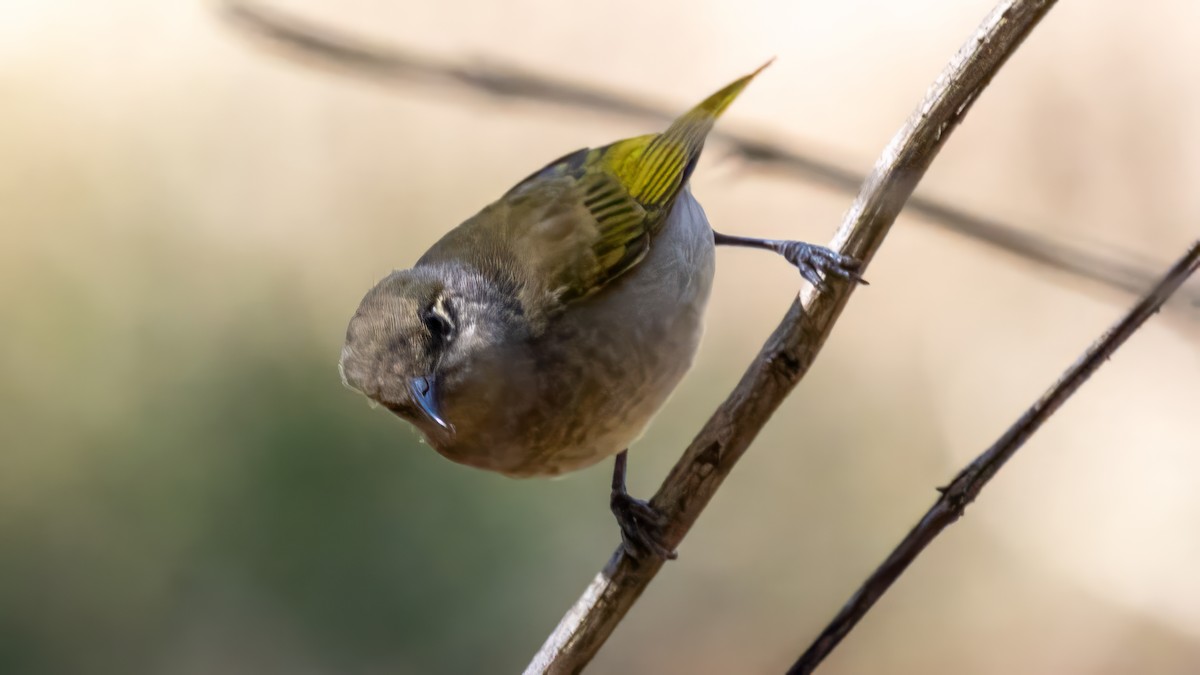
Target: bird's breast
x,y
589,385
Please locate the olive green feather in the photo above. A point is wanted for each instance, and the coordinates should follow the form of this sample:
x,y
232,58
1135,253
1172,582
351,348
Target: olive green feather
x,y
588,217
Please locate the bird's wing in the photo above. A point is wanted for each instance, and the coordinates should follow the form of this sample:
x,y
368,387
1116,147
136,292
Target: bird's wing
x,y
576,226
587,218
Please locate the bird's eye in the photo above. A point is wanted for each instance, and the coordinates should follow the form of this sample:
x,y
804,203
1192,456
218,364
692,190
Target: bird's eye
x,y
439,321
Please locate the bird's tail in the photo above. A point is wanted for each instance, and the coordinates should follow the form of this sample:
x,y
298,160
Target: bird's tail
x,y
655,167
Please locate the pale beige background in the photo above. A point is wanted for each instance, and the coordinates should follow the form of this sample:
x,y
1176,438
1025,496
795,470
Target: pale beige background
x,y
186,218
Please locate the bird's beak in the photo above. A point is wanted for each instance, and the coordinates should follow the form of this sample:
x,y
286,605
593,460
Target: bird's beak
x,y
425,395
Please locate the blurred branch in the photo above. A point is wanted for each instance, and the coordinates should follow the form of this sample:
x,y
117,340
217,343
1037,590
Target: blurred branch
x,y
792,348
320,46
970,481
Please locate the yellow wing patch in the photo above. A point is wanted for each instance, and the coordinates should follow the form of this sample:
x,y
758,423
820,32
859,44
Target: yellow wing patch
x,y
653,168
625,189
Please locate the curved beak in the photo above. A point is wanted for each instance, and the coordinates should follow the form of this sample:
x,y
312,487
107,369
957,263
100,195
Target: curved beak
x,y
425,395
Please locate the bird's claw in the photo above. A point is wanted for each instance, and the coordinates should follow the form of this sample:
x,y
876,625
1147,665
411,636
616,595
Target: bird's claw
x,y
817,263
641,527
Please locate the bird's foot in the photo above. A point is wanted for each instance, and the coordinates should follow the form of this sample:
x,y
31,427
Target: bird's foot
x,y
641,527
817,263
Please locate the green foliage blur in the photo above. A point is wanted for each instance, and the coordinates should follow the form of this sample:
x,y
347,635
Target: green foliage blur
x,y
241,484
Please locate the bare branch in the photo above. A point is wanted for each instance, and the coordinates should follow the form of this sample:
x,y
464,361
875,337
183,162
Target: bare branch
x,y
970,481
792,348
794,345
322,47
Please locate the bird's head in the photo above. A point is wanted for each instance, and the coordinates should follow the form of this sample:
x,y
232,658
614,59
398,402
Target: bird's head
x,y
416,336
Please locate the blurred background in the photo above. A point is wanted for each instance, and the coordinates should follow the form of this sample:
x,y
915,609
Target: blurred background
x,y
189,221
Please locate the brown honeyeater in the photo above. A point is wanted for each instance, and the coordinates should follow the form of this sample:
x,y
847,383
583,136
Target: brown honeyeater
x,y
543,334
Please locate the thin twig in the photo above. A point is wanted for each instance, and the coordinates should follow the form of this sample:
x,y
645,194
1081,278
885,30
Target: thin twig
x,y
791,349
970,481
320,46
794,345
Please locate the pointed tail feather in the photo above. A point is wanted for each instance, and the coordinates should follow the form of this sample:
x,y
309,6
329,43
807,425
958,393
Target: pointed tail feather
x,y
666,161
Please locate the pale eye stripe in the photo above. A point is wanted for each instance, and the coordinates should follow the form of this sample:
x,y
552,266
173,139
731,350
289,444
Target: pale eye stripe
x,y
439,308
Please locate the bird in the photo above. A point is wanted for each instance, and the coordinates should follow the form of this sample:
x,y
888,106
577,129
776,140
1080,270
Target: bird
x,y
542,335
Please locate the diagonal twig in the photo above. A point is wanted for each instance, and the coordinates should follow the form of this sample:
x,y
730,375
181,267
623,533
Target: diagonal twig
x,y
970,481
324,47
794,345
